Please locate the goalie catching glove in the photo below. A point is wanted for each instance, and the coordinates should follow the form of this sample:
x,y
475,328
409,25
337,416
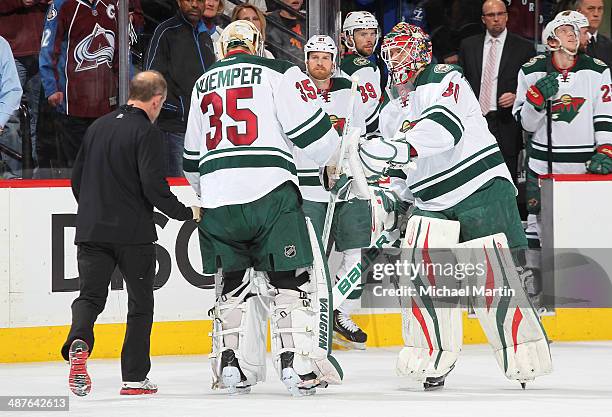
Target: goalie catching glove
x,y
378,155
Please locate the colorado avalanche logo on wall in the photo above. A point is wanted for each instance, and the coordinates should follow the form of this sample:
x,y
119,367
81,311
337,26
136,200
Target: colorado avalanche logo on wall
x,y
96,49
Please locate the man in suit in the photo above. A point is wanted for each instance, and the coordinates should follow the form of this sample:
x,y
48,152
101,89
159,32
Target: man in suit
x,y
600,46
491,62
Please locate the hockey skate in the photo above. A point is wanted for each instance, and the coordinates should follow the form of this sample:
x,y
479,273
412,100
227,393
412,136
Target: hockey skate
x,y
138,388
298,385
436,383
78,379
346,333
232,377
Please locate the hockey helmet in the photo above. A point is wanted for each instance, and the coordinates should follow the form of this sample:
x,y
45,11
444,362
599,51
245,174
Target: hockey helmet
x,y
549,33
578,18
321,43
405,50
240,33
358,20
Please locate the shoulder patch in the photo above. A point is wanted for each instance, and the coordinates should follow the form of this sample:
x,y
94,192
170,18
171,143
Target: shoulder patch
x,y
360,61
532,61
442,68
599,62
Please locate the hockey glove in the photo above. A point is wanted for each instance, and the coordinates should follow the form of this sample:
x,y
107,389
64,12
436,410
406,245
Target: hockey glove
x,y
544,89
341,186
601,162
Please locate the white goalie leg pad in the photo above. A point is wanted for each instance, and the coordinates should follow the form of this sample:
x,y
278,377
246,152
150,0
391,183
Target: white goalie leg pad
x,y
510,323
302,322
432,335
240,324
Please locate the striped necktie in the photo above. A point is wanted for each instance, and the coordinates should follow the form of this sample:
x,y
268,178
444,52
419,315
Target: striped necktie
x,y
487,78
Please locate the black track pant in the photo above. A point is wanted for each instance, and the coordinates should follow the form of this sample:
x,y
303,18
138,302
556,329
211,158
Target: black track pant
x,y
96,262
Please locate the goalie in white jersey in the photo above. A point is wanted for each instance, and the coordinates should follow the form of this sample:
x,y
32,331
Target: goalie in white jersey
x,y
350,230
462,191
248,113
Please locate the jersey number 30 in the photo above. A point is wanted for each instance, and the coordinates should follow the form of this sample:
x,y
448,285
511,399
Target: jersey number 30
x,y
231,109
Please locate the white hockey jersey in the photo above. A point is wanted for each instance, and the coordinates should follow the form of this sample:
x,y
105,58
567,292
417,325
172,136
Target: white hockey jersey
x,y
442,121
247,114
370,90
335,103
581,114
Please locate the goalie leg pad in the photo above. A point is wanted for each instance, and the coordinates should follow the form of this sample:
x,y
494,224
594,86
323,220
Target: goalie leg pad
x,y
239,326
301,323
432,335
510,323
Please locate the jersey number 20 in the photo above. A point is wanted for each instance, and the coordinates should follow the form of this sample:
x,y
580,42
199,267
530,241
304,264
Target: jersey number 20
x,y
231,109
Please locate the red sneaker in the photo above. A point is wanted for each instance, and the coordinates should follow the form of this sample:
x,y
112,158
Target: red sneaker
x,y
138,388
78,380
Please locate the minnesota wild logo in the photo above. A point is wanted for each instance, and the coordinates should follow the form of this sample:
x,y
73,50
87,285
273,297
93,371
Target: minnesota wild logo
x,y
566,108
406,126
337,122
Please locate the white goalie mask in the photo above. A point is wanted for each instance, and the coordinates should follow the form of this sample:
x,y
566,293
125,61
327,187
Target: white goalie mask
x,y
358,20
321,43
240,33
550,33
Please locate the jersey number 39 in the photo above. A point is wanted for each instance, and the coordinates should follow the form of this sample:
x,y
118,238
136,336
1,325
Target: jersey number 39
x,y
232,96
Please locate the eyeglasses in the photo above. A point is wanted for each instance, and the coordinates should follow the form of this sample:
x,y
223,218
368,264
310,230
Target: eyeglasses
x,y
494,15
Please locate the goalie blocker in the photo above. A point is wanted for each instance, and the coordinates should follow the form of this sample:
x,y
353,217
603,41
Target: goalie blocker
x,y
433,334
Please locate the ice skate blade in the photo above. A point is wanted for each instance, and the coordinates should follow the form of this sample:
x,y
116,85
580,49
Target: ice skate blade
x,y
230,378
344,344
294,384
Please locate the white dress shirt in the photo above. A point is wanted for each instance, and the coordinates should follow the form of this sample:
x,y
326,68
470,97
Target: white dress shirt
x,y
501,39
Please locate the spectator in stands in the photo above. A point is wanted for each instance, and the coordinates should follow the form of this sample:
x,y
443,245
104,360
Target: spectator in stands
x,y
10,95
260,4
282,43
21,24
79,67
600,46
181,50
210,16
251,13
491,63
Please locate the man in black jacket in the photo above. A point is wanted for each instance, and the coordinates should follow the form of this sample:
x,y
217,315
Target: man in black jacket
x,y
491,62
117,180
181,50
600,46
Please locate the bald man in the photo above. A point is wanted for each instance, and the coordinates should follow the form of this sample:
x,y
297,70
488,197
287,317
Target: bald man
x,y
117,180
491,62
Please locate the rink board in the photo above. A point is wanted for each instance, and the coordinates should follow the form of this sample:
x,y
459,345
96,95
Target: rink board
x,y
38,283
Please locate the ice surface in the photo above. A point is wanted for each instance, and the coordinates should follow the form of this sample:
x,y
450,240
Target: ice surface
x,y
579,386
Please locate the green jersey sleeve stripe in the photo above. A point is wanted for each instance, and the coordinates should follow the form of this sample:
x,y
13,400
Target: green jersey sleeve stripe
x,y
460,178
447,111
190,165
191,152
308,171
306,123
446,122
310,181
246,161
313,134
603,126
464,162
602,116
